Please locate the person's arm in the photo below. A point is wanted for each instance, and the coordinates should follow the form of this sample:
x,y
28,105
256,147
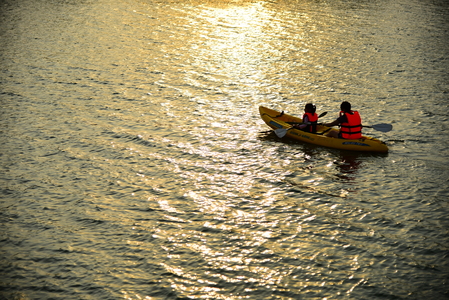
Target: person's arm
x,y
305,121
339,120
336,122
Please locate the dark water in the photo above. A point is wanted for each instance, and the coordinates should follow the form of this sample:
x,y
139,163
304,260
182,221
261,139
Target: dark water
x,y
134,164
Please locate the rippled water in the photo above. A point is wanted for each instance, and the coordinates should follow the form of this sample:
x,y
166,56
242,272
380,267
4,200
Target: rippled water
x,y
134,163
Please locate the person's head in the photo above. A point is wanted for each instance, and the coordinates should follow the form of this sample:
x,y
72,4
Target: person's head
x,y
310,108
345,106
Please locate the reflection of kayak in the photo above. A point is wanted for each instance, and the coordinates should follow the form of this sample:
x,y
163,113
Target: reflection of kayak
x,y
277,120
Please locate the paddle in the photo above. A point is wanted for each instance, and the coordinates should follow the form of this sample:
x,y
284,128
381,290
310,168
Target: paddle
x,y
281,132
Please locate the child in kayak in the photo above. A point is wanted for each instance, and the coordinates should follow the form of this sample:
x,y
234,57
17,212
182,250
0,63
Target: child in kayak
x,y
309,119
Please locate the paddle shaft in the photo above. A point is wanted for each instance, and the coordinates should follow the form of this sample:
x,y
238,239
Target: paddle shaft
x,y
281,132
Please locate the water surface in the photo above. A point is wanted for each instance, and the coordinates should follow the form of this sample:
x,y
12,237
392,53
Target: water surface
x,y
134,163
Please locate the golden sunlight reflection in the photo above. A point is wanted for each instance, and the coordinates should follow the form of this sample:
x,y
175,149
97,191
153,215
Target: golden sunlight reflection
x,y
207,203
234,43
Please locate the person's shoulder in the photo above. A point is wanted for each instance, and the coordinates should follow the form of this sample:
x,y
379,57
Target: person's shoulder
x,y
342,118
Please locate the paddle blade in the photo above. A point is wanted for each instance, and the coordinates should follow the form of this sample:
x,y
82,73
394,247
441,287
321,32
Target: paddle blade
x,y
322,114
381,127
281,132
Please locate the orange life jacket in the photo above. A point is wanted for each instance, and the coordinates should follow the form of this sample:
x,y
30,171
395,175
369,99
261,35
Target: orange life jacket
x,y
313,118
352,129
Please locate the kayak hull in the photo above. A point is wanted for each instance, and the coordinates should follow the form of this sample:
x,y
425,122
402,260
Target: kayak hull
x,y
277,120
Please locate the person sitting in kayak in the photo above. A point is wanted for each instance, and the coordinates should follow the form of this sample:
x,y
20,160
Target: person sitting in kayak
x,y
309,119
349,121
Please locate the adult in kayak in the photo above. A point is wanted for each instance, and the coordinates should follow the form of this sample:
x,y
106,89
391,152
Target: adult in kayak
x,y
309,119
349,121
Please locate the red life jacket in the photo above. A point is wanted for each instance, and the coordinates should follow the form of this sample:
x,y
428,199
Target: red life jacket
x,y
313,118
353,128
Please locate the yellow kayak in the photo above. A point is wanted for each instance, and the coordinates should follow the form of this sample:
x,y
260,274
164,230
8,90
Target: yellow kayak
x,y
278,121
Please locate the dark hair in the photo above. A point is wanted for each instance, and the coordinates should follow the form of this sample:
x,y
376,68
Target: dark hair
x,y
310,107
345,106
